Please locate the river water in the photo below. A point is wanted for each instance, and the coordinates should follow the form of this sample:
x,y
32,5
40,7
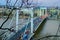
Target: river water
x,y
50,28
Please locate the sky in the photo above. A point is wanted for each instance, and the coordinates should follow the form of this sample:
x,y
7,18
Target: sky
x,y
36,2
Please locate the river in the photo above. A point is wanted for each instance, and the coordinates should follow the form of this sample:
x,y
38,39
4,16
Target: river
x,y
49,28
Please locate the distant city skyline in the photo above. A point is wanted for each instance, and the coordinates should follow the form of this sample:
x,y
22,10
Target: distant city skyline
x,y
38,2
